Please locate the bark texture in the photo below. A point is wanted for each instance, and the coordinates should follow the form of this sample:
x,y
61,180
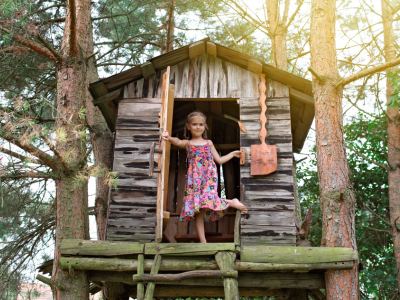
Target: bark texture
x,y
169,28
338,201
278,35
71,194
393,129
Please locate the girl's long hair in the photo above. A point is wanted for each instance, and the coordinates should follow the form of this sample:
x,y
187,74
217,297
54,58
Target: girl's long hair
x,y
186,133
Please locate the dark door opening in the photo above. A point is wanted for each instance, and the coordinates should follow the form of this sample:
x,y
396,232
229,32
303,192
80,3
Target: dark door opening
x,y
222,117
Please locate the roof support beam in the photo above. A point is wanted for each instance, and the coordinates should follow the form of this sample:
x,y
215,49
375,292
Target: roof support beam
x,y
211,49
297,95
147,69
254,66
197,49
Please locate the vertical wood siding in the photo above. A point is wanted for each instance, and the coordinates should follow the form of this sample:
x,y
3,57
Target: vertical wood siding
x,y
132,209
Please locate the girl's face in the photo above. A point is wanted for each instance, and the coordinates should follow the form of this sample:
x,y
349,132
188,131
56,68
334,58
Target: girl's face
x,y
197,126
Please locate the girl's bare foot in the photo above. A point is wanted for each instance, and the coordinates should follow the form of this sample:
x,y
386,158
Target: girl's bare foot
x,y
238,205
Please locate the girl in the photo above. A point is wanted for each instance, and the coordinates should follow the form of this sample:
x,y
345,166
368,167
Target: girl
x,y
201,200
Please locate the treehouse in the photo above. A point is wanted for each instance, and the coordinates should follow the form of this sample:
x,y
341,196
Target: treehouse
x,y
247,255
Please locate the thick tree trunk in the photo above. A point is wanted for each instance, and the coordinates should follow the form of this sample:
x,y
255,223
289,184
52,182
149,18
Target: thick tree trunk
x,y
393,128
338,201
102,143
71,189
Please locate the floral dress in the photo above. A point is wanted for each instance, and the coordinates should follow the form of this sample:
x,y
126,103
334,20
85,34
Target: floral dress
x,y
201,190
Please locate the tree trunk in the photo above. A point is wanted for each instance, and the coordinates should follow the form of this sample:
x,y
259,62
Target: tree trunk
x,y
71,188
338,201
278,29
102,143
170,28
393,129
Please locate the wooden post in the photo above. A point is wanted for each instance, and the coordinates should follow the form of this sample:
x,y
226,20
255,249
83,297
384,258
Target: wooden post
x,y
226,261
140,271
152,285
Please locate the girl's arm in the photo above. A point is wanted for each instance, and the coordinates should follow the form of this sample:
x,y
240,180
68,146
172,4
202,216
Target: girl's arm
x,y
174,141
221,160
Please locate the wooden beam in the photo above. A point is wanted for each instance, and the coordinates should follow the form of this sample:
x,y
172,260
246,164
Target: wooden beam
x,y
147,69
288,254
175,291
197,49
190,264
108,109
271,280
99,248
187,249
254,66
114,95
185,275
212,49
297,95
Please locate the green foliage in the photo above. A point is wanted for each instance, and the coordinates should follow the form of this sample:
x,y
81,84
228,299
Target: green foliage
x,y
367,137
394,77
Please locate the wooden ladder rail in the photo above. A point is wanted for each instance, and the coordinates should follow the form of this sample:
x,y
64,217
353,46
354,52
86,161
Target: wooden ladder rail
x,y
140,271
141,295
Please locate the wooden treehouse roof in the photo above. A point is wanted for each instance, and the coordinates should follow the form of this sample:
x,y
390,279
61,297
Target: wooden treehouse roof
x,y
107,91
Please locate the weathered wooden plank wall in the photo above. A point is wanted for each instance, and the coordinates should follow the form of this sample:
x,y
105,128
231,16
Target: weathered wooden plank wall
x,y
201,77
132,209
269,198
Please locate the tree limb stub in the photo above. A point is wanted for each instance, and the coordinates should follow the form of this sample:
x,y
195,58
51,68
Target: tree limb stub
x,y
316,75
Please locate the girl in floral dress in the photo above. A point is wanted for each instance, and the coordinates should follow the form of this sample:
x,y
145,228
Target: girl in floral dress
x,y
201,200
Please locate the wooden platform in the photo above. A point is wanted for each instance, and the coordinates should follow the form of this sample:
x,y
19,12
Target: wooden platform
x,y
260,270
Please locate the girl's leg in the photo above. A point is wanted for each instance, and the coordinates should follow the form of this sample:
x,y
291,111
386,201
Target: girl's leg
x,y
199,219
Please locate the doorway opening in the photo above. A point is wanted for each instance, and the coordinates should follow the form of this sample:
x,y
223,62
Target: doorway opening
x,y
223,130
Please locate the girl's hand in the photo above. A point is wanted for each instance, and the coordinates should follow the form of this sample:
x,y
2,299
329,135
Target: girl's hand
x,y
165,135
237,153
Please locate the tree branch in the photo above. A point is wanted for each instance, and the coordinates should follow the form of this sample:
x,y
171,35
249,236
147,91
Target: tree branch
x,y
375,229
44,9
368,71
63,163
47,159
294,14
28,175
246,16
20,156
378,216
123,42
31,45
366,158
48,46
